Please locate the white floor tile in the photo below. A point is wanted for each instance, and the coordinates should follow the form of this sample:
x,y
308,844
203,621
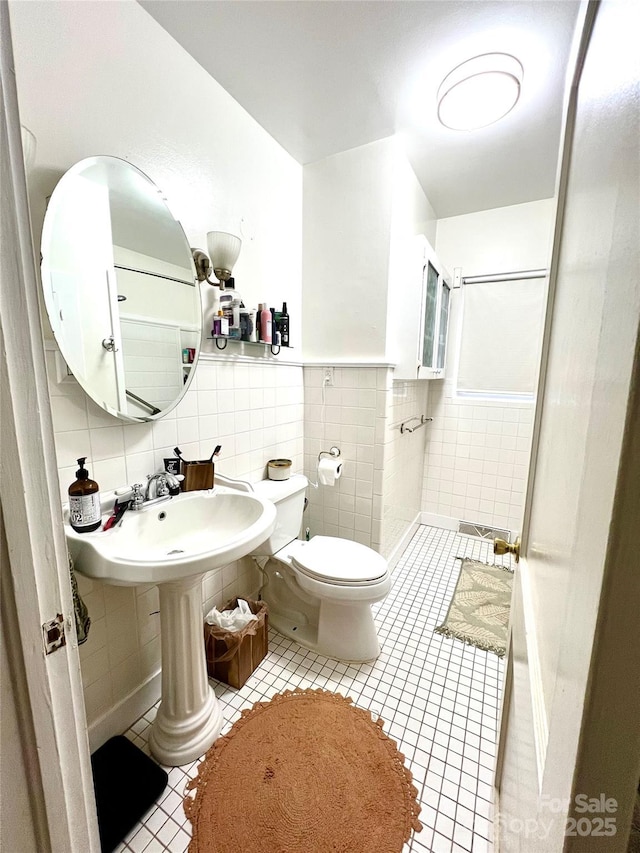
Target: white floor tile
x,y
439,699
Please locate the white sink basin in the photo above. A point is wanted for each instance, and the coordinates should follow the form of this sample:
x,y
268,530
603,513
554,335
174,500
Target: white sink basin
x,y
189,534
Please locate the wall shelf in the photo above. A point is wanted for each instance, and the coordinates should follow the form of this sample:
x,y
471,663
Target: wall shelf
x,y
274,348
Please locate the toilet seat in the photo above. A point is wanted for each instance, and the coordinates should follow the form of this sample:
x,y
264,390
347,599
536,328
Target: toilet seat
x,y
339,561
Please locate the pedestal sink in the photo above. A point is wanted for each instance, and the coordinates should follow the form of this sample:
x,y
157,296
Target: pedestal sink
x,y
173,543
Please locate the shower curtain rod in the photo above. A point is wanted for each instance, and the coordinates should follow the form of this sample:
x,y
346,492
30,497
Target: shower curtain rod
x,y
503,276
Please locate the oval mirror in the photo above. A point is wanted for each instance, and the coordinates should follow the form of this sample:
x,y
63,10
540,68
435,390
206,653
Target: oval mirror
x,y
120,289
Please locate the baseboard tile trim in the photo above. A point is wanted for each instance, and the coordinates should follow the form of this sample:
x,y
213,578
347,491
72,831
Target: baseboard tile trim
x,y
400,546
122,716
443,521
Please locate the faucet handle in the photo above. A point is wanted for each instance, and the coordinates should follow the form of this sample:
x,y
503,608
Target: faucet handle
x,y
162,488
137,498
173,482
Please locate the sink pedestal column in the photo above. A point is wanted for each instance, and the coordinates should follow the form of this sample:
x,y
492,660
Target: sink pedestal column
x,y
189,718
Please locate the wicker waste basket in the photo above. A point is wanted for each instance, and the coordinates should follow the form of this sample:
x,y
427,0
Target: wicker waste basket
x,y
233,655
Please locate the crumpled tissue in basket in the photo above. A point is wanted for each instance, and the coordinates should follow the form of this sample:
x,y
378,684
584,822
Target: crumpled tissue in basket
x,y
231,620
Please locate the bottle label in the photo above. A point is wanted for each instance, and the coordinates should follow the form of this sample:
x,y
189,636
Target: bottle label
x,y
84,510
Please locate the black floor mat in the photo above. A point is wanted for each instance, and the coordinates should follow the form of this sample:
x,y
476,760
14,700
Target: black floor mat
x,y
127,783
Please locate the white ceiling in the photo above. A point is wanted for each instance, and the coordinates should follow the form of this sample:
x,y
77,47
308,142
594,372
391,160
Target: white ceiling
x,y
323,76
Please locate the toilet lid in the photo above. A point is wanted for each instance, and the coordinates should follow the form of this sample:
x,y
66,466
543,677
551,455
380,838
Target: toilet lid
x,y
340,561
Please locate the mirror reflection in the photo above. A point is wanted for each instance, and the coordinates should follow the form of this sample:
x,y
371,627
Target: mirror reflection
x,y
120,289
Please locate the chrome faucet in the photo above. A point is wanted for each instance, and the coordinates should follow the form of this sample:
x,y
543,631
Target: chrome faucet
x,y
157,487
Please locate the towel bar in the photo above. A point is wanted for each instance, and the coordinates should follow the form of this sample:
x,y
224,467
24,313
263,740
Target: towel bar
x,y
423,419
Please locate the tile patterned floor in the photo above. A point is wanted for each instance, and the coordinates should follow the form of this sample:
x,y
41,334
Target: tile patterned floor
x,y
438,697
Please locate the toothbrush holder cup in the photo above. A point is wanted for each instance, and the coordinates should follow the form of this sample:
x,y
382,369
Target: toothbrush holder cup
x,y
197,475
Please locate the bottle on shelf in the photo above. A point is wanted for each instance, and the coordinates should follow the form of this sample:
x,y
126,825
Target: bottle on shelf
x,y
226,298
234,327
221,325
253,330
276,337
283,325
216,301
211,303
265,324
245,325
259,322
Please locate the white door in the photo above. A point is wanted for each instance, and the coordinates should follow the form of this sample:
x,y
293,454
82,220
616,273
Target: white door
x,y
45,775
569,751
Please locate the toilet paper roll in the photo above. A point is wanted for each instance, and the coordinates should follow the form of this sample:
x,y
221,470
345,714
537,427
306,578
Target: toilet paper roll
x,y
329,470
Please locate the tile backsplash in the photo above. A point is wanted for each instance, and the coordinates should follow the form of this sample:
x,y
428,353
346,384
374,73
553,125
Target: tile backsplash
x,y
254,410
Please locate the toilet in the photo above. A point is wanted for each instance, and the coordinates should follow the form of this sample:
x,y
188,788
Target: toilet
x,y
319,592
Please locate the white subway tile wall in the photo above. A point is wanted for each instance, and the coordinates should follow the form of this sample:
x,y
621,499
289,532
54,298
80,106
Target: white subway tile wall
x,y
477,458
255,411
403,461
350,412
359,410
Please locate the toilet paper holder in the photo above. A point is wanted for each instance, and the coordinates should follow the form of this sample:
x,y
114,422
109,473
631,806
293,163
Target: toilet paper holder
x,y
334,451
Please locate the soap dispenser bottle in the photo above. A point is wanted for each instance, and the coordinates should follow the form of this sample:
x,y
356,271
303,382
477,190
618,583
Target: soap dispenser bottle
x,y
84,501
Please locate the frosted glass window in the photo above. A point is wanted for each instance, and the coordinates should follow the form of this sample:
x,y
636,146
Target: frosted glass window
x,y
444,322
429,330
501,336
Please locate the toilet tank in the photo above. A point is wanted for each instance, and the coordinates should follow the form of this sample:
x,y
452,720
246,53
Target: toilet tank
x,y
288,496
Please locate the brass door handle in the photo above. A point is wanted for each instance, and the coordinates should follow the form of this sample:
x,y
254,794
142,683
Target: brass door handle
x,y
501,546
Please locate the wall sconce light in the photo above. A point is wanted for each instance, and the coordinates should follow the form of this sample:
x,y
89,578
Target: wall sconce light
x,y
224,249
480,91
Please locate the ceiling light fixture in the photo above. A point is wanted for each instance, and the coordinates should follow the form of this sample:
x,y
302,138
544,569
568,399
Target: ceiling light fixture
x,y
480,91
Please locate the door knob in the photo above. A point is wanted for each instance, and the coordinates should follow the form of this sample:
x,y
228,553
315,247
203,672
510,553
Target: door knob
x,y
501,546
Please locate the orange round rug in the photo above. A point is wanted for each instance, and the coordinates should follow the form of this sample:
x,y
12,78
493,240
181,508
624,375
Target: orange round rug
x,y
307,772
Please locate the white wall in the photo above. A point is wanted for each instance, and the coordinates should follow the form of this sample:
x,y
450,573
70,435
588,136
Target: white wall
x,y
360,209
105,78
412,214
503,239
477,453
346,238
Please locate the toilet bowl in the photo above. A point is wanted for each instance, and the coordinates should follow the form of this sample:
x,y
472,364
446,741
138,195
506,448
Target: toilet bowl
x,y
319,592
